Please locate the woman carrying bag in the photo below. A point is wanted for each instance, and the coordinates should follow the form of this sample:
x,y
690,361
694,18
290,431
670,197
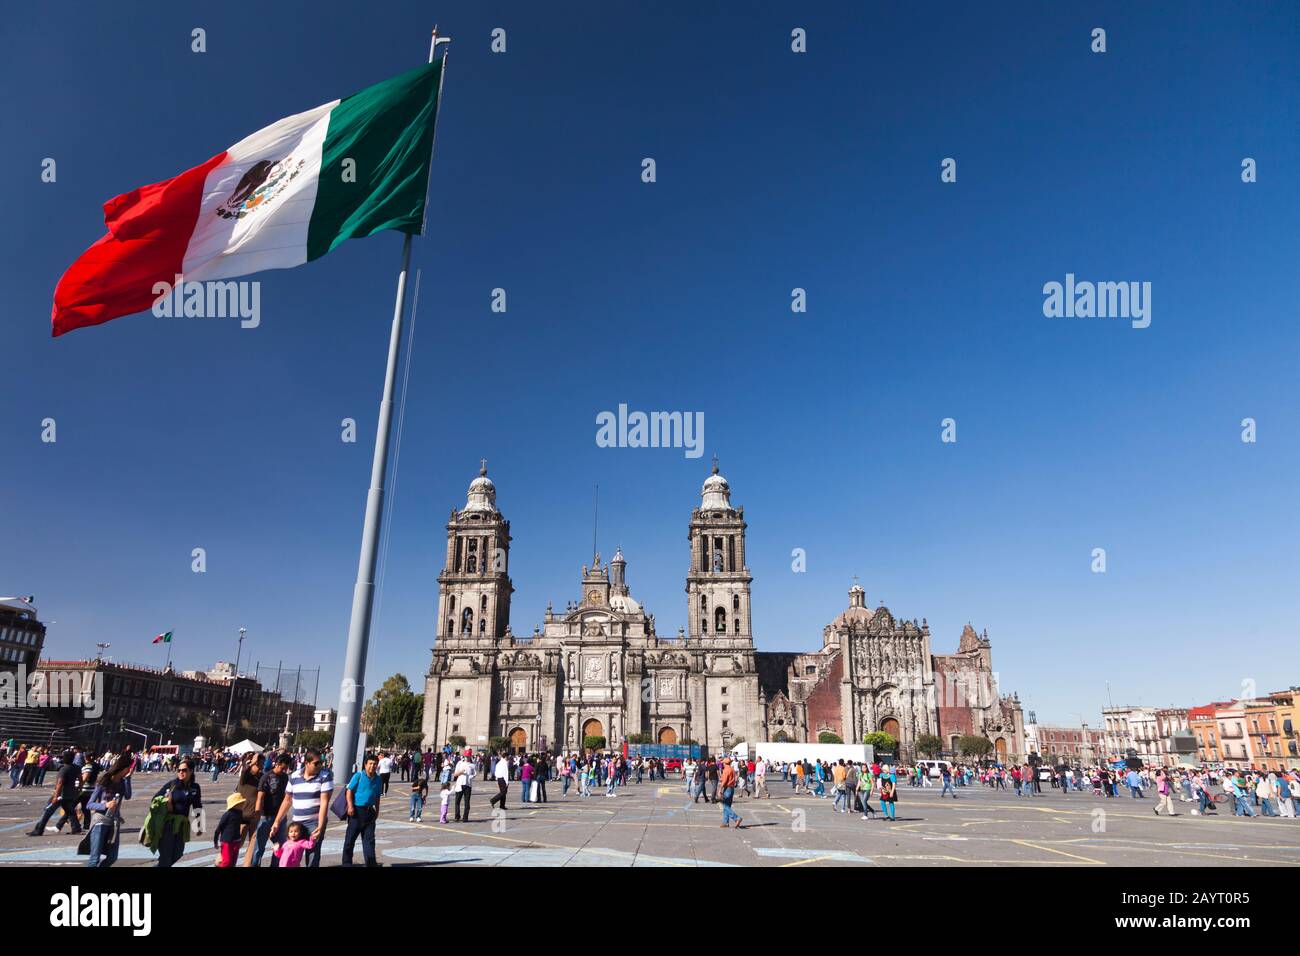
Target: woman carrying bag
x,y
888,798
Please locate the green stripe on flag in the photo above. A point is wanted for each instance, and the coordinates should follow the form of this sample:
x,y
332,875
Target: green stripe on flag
x,y
386,130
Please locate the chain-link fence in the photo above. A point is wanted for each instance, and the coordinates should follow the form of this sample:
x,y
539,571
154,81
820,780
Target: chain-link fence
x,y
287,688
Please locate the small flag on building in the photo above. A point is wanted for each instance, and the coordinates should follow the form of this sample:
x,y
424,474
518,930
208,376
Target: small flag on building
x,y
163,638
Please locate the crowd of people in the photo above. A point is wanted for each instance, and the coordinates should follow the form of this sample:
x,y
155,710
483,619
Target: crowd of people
x,y
282,800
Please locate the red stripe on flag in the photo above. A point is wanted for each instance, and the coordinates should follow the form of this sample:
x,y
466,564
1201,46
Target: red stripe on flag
x,y
149,230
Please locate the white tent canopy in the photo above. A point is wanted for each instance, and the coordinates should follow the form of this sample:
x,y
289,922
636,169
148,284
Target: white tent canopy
x,y
244,747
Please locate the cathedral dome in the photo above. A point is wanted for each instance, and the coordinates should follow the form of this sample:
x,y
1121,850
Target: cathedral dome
x,y
625,604
716,493
482,493
857,611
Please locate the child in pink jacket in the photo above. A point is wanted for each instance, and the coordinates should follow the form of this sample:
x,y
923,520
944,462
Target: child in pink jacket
x,y
290,853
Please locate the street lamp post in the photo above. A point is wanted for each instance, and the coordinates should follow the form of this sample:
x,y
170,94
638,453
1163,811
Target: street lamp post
x,y
239,650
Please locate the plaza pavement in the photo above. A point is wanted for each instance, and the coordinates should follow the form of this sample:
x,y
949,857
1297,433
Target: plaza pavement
x,y
655,824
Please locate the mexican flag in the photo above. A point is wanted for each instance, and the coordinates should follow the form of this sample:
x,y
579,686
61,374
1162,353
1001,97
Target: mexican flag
x,y
281,197
163,638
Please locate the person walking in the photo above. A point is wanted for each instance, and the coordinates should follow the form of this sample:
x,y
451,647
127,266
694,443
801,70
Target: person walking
x,y
266,808
727,781
889,798
1264,791
363,793
865,783
1134,781
385,767
1164,798
183,795
419,793
229,832
1285,801
105,806
760,779
501,773
1238,789
463,785
946,773
839,778
525,779
307,802
64,798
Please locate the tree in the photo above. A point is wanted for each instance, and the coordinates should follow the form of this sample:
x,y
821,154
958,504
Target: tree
x,y
881,742
593,742
642,738
313,739
394,709
410,740
826,737
457,742
929,744
498,744
974,746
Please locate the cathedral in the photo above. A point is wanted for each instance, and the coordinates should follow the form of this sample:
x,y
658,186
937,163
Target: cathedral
x,y
600,669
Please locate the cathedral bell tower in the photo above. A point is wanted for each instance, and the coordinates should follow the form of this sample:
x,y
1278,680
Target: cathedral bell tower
x,y
717,586
474,587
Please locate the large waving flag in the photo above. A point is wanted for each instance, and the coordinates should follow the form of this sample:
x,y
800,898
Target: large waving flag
x,y
281,197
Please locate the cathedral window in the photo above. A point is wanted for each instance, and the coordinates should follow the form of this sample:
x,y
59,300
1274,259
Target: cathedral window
x,y
704,625
451,626
472,564
735,602
704,602
451,604
483,603
467,621
482,625
737,626
720,621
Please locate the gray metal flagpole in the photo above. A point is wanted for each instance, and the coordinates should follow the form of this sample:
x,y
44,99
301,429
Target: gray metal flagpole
x,y
352,690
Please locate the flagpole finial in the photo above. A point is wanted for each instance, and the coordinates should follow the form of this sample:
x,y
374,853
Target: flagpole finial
x,y
715,464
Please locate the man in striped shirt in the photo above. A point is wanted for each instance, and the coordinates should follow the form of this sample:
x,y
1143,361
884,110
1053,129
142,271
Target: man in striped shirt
x,y
307,799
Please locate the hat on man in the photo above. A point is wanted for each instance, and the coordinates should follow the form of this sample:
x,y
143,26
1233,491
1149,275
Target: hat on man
x,y
234,800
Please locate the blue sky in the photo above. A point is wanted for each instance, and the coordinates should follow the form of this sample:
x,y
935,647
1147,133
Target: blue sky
x,y
775,171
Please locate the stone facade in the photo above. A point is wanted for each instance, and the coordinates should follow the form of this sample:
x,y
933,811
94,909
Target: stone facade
x,y
600,669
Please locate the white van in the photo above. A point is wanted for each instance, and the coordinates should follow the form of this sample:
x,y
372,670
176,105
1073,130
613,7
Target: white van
x,y
934,768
